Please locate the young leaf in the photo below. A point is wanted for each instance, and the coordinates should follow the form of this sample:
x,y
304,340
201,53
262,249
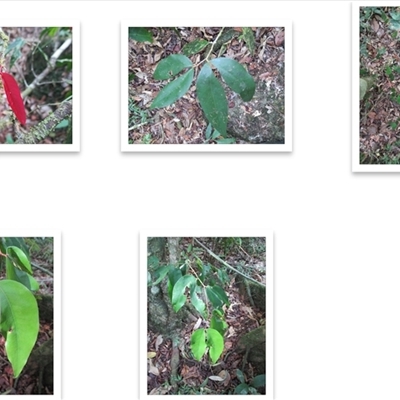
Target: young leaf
x,y
198,343
140,34
236,77
178,292
171,66
215,342
14,96
173,91
212,99
19,322
20,258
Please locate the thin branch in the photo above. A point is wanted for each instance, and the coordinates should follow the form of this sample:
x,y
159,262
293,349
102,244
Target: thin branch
x,y
227,265
42,269
49,68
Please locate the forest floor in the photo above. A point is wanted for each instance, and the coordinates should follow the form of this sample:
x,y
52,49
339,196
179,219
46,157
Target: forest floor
x,y
183,122
27,383
380,108
196,377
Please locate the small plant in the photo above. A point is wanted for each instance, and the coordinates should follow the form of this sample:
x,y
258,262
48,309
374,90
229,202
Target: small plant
x,y
197,278
19,314
210,91
249,388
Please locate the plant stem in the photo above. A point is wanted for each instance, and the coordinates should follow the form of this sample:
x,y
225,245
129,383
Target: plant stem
x,y
227,265
211,49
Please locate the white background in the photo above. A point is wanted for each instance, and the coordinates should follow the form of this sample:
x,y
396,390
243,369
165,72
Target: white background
x,y
336,234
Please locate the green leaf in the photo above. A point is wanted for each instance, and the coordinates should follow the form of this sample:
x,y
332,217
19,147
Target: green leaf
x,y
215,342
178,292
19,322
194,47
19,258
63,124
240,375
140,34
258,381
215,300
221,294
198,304
161,273
174,90
218,324
236,77
242,389
23,277
248,37
198,343
212,99
173,276
171,66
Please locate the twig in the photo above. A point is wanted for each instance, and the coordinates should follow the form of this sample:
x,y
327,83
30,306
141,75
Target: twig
x,y
49,68
42,268
227,265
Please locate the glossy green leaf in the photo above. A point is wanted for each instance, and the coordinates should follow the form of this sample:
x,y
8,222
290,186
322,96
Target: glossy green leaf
x,y
198,343
215,342
178,292
212,99
198,304
19,322
19,258
27,280
10,270
170,66
174,90
140,34
236,77
194,47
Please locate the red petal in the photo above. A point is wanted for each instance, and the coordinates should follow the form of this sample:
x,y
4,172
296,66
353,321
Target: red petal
x,y
14,96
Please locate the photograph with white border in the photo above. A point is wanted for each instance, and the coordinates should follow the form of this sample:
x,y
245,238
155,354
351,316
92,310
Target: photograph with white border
x,y
206,313
40,86
206,88
375,93
30,325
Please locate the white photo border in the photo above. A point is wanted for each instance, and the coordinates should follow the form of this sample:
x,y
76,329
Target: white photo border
x,y
76,88
286,147
268,235
57,343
